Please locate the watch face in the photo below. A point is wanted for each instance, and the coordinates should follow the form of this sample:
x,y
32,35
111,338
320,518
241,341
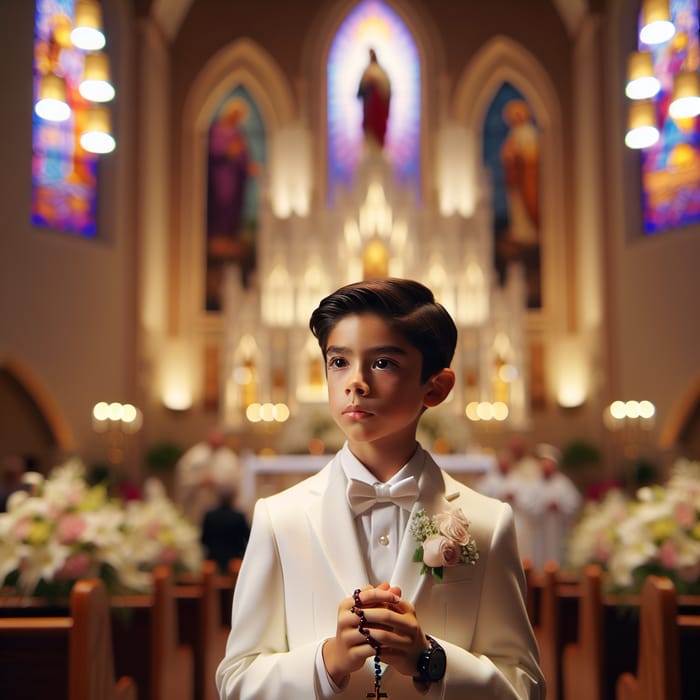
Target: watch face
x,y
436,664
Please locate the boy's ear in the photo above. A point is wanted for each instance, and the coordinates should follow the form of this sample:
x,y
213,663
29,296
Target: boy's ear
x,y
438,387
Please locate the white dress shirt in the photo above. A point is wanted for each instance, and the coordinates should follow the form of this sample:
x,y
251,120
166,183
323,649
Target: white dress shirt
x,y
379,531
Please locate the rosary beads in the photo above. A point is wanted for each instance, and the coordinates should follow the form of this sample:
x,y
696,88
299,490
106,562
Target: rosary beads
x,y
362,628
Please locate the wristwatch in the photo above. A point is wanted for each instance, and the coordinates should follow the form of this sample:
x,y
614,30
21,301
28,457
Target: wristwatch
x,y
431,663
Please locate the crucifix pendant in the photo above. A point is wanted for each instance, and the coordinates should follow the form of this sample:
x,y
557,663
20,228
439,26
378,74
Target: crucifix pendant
x,y
377,694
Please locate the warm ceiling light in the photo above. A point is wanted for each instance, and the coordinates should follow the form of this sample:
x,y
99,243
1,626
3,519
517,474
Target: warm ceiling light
x,y
95,85
87,26
685,101
642,84
642,132
656,22
51,99
97,137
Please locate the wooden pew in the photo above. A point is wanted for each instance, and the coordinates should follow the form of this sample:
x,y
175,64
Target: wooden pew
x,y
63,657
547,629
552,602
582,663
199,617
146,644
227,591
662,630
225,584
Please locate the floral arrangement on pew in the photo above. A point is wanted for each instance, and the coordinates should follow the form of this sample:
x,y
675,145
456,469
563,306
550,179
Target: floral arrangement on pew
x,y
657,532
64,529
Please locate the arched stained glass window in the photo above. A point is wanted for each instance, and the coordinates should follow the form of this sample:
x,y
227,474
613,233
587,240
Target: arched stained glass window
x,y
511,152
671,168
64,175
372,24
236,157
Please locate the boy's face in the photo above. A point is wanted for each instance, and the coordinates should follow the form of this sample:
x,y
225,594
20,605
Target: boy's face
x,y
374,388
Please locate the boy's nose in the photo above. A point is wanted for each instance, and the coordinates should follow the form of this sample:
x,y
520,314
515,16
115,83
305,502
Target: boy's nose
x,y
357,385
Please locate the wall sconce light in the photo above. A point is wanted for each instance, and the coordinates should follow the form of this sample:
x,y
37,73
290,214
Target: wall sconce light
x,y
176,370
570,370
177,399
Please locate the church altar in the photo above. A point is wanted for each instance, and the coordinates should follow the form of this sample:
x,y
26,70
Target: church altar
x,y
264,475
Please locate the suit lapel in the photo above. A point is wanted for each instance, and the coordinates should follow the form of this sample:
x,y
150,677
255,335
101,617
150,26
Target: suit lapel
x,y
433,498
333,524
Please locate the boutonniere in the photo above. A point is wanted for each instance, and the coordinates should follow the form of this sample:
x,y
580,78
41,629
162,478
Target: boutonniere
x,y
443,540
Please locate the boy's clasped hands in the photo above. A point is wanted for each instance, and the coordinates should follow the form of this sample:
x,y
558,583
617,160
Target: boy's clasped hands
x,y
383,624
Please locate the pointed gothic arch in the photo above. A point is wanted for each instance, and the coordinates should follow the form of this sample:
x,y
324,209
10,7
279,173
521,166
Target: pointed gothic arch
x,y
500,61
242,63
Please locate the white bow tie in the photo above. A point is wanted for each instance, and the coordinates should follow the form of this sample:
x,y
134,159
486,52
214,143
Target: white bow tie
x,y
362,496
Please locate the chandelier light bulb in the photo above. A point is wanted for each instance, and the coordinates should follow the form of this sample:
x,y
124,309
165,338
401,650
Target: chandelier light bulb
x,y
657,27
642,83
97,137
87,31
51,99
642,131
95,85
685,102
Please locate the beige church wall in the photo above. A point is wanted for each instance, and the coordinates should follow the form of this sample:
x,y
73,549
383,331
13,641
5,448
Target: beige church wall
x,y
65,302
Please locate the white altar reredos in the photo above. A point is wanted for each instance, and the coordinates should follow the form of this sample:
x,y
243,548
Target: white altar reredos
x,y
271,364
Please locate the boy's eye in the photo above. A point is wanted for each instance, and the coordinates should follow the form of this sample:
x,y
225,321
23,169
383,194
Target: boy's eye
x,y
384,363
336,362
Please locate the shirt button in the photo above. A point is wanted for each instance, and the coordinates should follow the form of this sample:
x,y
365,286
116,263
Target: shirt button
x,y
383,540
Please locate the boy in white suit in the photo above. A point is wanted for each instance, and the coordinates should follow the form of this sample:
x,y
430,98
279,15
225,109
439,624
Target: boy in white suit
x,y
381,576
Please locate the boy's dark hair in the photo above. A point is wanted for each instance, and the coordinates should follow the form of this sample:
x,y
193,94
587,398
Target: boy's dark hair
x,y
408,307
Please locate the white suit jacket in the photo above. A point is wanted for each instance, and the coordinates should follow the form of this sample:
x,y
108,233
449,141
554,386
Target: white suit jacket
x,y
303,559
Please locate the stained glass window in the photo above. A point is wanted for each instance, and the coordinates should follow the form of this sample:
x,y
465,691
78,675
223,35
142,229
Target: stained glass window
x,y
64,175
373,25
235,159
671,168
511,155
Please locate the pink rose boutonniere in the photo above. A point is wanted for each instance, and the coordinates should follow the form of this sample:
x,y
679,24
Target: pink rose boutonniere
x,y
443,540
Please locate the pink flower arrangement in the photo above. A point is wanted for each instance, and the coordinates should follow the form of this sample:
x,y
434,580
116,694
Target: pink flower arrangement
x,y
657,532
64,529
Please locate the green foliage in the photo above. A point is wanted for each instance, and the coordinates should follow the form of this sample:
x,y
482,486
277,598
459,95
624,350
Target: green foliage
x,y
579,454
163,456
